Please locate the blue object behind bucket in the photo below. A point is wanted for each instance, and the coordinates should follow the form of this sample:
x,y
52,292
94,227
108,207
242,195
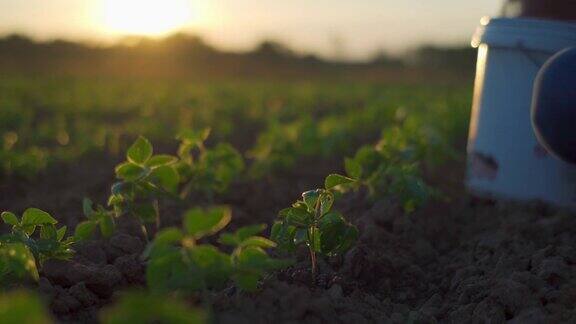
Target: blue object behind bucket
x,y
554,105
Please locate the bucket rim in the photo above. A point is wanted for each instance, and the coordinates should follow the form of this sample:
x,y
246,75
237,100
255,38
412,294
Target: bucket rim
x,y
541,34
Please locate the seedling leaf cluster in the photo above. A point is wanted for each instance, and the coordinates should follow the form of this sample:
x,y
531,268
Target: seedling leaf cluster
x,y
177,260
34,238
393,167
203,169
313,223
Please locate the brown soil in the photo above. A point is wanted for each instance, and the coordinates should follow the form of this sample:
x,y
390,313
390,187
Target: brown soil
x,y
461,260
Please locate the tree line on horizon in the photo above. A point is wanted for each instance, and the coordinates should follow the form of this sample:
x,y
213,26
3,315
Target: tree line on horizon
x,y
183,55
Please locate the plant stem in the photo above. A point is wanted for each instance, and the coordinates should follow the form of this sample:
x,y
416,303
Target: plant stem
x,y
312,246
313,260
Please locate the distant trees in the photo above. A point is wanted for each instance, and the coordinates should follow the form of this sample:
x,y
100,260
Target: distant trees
x,y
183,55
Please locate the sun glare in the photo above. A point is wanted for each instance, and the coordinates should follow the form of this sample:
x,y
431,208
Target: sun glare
x,y
146,17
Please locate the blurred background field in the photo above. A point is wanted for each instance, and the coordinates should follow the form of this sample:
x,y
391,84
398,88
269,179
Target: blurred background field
x,y
90,76
47,120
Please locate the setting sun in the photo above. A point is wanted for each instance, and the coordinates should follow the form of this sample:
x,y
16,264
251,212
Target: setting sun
x,y
146,17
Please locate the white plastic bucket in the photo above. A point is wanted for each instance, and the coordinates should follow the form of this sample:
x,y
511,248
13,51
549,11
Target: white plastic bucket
x,y
505,159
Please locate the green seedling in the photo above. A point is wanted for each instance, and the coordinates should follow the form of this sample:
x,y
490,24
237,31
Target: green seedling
x,y
23,307
203,169
280,145
22,252
250,262
98,218
24,162
393,168
140,307
312,222
145,178
177,261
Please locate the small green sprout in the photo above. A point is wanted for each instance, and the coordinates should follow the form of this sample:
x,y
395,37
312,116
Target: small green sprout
x,y
206,170
278,147
312,222
22,253
390,168
250,262
97,218
177,261
140,307
144,179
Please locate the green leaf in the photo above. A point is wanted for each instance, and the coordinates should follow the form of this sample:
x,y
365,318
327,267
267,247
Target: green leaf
x,y
336,234
199,222
167,177
165,237
246,281
251,263
194,137
16,260
258,241
353,168
335,180
255,260
241,234
214,266
326,202
369,160
283,234
311,198
29,229
168,235
140,151
228,239
140,307
48,232
107,224
224,163
10,218
60,233
161,160
325,199
130,172
35,216
168,270
248,231
297,217
84,230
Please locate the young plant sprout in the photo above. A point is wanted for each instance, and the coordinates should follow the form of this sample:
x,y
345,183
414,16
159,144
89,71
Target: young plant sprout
x,y
393,168
97,218
22,252
203,169
177,261
145,178
312,222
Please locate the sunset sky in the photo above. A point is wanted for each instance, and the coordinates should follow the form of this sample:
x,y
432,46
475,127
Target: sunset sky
x,y
356,29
